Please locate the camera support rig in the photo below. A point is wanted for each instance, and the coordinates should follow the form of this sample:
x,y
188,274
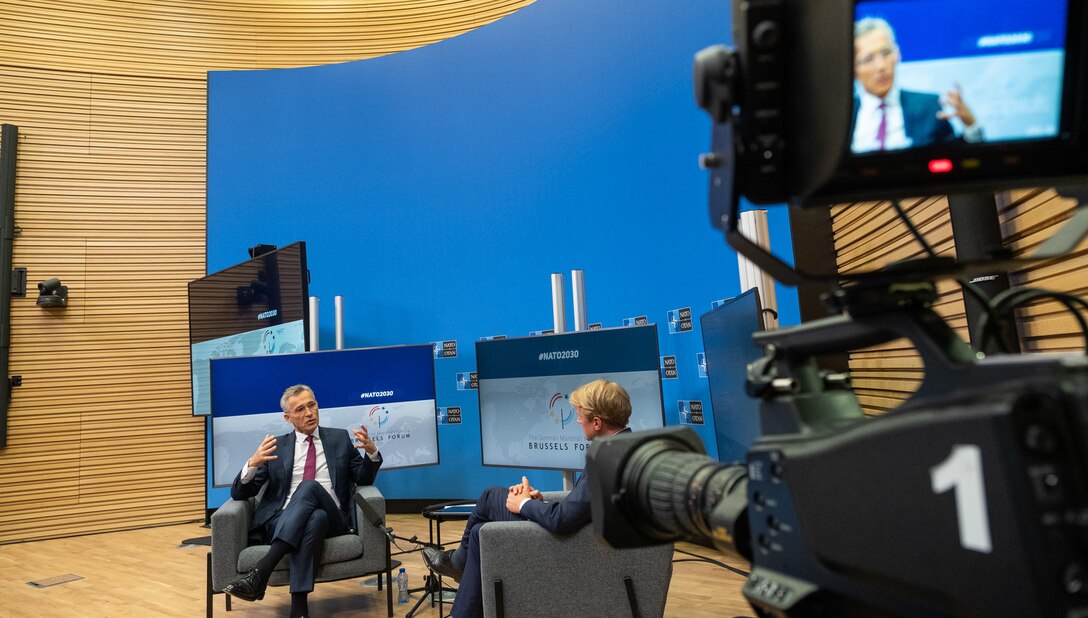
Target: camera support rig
x,y
987,460
1001,438
969,499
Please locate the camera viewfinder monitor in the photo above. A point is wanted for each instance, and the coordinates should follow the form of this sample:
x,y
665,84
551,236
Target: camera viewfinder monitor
x,y
876,99
390,390
940,72
526,419
254,308
727,344
953,92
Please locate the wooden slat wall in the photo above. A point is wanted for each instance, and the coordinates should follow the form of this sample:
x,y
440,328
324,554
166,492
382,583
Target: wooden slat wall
x,y
109,96
870,235
1029,218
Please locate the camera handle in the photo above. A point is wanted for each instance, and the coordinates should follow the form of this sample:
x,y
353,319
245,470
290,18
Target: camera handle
x,y
798,396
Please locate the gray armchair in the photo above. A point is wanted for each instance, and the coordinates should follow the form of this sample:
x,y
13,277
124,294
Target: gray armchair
x,y
360,553
529,571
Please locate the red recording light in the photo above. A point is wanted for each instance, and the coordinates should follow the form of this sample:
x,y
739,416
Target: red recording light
x,y
940,166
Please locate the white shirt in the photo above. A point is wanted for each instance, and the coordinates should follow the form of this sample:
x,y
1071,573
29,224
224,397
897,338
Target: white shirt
x,y
895,128
322,475
322,470
868,123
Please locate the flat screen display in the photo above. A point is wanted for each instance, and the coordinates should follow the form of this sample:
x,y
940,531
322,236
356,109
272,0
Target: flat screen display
x,y
257,307
390,390
727,344
946,72
526,419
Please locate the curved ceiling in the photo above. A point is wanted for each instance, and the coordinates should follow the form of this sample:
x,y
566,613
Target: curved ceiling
x,y
182,37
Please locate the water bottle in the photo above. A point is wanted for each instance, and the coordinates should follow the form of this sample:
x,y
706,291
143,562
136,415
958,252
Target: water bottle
x,y
402,586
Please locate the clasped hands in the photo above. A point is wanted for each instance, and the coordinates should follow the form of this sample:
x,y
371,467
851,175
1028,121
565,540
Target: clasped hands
x,y
518,493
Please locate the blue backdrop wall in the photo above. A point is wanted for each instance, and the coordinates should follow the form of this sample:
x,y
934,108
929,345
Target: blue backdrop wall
x,y
437,190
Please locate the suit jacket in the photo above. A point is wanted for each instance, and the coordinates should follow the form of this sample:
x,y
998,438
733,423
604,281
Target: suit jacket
x,y
347,469
566,516
919,118
569,514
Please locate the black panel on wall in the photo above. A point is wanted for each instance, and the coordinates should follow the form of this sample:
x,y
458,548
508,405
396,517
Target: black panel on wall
x,y
9,142
814,251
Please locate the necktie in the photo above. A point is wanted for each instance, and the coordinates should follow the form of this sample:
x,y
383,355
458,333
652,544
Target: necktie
x,y
309,471
882,128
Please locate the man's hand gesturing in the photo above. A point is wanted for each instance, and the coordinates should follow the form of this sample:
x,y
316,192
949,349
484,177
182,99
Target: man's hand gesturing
x,y
264,452
362,436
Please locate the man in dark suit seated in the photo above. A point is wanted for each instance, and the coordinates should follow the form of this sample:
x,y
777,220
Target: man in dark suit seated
x,y
310,474
603,409
889,118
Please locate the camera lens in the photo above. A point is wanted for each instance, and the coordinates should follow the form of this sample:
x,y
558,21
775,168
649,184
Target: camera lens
x,y
681,494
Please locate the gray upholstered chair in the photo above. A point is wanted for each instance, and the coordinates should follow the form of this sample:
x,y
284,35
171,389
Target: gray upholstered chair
x,y
528,571
360,553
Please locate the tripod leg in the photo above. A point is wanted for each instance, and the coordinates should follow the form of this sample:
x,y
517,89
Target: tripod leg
x,y
429,588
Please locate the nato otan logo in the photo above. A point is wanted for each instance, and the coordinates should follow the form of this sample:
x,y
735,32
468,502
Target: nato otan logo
x,y
679,320
467,381
560,411
379,415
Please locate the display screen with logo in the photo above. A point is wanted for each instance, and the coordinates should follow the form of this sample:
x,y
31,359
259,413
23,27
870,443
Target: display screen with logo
x,y
526,419
257,307
390,390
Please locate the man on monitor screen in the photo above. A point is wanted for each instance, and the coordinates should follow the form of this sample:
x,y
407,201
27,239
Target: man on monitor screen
x,y
887,117
310,474
603,409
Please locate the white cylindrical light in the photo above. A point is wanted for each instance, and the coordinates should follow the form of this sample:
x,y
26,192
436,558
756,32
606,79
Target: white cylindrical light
x,y
315,345
338,305
753,226
578,289
559,304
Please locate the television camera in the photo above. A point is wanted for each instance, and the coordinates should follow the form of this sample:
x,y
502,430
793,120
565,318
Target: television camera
x,y
971,497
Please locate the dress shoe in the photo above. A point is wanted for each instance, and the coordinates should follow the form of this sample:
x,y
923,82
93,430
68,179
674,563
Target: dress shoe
x,y
441,562
248,588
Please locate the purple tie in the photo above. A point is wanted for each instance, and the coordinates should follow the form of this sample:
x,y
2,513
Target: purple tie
x,y
882,128
309,471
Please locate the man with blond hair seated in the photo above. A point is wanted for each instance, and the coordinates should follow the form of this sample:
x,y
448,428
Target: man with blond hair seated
x,y
603,410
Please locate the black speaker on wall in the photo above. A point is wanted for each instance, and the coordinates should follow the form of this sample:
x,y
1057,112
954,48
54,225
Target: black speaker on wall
x,y
977,233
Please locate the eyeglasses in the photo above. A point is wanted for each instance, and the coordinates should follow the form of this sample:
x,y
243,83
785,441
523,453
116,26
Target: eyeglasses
x,y
880,54
311,405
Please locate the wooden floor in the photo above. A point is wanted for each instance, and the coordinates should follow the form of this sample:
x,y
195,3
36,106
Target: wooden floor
x,y
149,572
